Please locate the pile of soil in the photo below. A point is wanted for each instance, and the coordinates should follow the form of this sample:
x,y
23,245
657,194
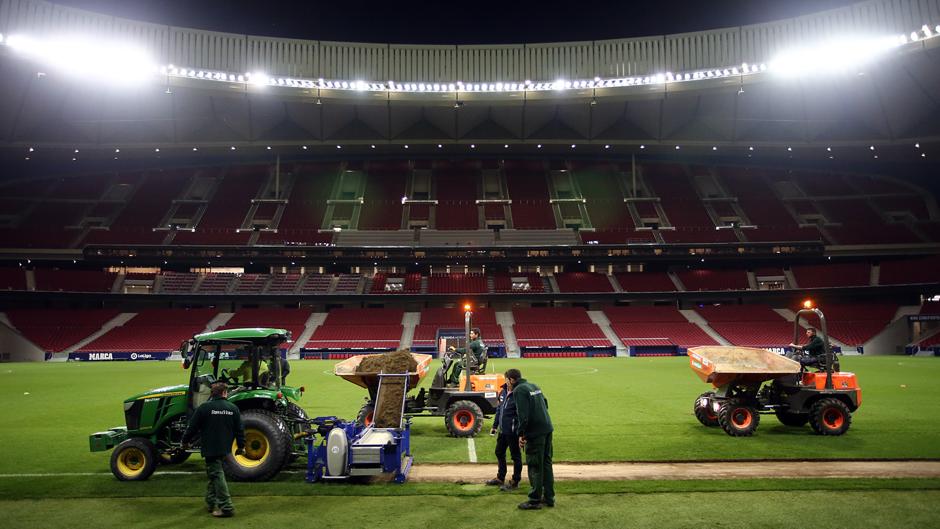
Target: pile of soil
x,y
388,410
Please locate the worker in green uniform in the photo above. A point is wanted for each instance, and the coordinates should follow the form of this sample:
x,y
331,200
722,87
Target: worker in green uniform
x,y
535,436
814,352
218,422
477,352
243,372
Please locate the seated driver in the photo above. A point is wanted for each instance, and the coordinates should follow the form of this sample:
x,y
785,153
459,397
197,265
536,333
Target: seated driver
x,y
243,372
477,350
813,352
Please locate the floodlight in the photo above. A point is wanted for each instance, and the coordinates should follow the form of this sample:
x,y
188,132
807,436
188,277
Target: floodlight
x,y
834,56
115,63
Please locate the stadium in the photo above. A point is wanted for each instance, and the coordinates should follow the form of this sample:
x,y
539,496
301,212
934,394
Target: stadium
x,y
608,211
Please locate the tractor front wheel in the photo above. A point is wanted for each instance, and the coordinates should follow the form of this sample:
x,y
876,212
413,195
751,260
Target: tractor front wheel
x,y
464,418
738,418
134,460
704,411
830,417
266,447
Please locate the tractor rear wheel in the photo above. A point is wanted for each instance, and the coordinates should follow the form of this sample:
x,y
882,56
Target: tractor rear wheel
x,y
703,410
789,418
134,459
830,417
464,418
738,418
266,448
366,415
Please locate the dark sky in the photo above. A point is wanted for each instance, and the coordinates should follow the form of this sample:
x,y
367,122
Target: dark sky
x,y
455,22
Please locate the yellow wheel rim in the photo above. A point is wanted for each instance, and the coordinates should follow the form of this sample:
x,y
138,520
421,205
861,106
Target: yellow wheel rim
x,y
257,449
131,462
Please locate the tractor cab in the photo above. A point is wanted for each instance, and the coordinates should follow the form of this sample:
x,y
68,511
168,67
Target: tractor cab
x,y
247,360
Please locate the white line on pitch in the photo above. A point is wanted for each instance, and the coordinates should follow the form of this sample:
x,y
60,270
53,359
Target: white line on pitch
x,y
472,449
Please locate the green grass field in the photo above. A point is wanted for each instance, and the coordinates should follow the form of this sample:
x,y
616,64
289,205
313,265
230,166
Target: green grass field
x,y
604,410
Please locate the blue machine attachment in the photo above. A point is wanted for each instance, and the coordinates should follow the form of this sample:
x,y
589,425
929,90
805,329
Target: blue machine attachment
x,y
347,449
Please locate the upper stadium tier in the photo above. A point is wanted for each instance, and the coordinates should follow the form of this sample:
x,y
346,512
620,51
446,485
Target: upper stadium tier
x,y
854,75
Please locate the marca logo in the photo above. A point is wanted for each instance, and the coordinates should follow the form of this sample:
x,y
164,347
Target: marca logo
x,y
100,356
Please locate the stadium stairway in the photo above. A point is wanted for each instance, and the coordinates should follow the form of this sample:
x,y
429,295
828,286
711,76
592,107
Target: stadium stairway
x,y
31,280
117,321
553,284
896,332
697,319
409,321
676,281
600,319
506,321
791,279
310,326
15,346
219,320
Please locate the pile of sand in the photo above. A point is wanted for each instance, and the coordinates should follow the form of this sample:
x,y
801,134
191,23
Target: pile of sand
x,y
388,412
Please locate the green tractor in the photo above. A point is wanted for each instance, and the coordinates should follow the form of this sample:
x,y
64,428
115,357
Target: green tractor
x,y
249,360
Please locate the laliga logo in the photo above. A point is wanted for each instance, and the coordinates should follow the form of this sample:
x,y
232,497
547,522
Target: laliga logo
x,y
133,356
335,449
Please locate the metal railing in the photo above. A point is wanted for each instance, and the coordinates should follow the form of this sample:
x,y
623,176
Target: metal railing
x,y
492,63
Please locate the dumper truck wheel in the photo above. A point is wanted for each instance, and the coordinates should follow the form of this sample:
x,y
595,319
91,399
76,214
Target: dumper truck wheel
x,y
133,460
738,418
266,448
366,415
464,418
703,410
830,417
788,418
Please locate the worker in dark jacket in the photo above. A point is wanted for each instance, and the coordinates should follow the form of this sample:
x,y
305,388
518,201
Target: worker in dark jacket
x,y
814,352
477,353
218,422
535,435
504,428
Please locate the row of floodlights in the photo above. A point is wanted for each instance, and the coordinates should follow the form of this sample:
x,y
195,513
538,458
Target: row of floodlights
x,y
32,150
460,86
124,64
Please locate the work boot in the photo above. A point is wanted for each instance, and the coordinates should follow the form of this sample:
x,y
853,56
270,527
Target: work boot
x,y
495,482
547,503
530,505
219,513
211,508
510,486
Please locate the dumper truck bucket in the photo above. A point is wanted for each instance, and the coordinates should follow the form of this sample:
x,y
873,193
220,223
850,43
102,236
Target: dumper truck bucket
x,y
721,365
347,370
